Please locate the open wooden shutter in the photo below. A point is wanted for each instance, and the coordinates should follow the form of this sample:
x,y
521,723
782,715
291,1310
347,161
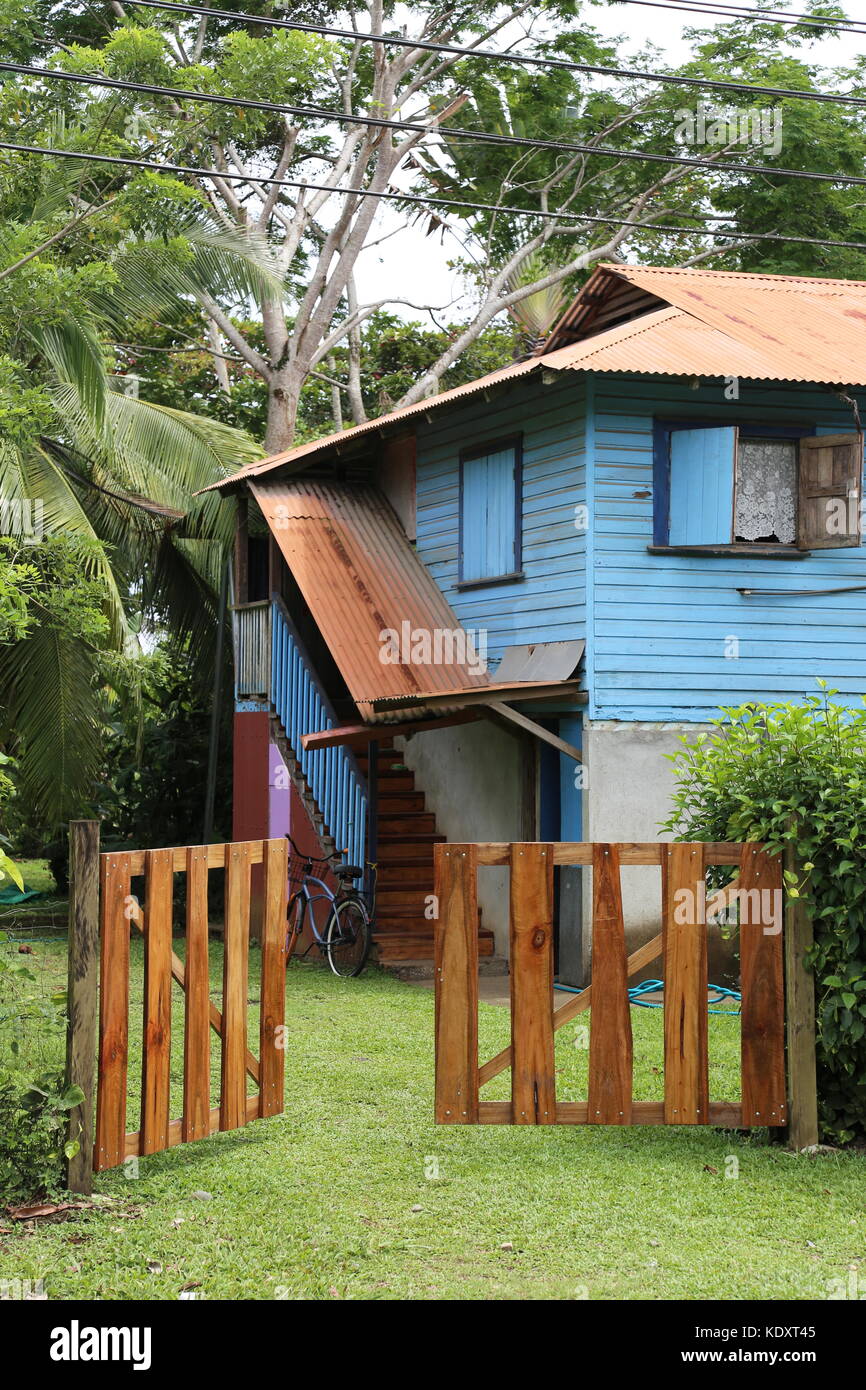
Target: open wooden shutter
x,y
831,473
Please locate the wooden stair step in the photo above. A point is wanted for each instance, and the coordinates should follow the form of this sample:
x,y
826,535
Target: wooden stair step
x,y
396,782
418,867
400,803
418,947
412,822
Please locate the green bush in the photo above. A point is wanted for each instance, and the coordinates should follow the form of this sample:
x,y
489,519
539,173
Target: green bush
x,y
786,773
33,1109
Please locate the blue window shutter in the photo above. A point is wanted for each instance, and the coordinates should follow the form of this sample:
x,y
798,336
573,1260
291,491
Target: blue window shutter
x,y
488,515
702,486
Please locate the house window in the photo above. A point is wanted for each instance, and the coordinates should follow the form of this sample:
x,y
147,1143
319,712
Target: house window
x,y
729,485
490,512
765,491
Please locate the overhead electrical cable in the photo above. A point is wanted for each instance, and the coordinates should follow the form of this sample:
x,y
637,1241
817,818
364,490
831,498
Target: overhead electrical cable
x,y
481,137
425,200
491,54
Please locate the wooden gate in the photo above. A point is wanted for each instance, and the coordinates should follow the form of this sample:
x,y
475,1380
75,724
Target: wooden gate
x,y
683,945
119,911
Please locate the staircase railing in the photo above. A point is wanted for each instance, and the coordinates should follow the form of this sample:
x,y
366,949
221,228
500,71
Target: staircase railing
x,y
332,774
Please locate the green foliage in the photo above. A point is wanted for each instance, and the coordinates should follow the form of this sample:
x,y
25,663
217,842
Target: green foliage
x,y
788,774
152,790
34,1109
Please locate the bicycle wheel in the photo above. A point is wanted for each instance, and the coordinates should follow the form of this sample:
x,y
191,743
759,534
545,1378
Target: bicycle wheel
x,y
348,937
294,923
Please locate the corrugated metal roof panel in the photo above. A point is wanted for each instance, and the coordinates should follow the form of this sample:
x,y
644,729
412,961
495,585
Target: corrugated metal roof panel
x,y
360,577
719,323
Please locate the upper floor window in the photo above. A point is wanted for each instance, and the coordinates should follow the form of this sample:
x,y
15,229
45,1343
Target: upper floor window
x,y
730,485
490,512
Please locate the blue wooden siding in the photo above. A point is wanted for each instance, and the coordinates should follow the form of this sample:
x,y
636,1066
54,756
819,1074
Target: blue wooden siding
x,y
549,603
657,627
701,485
662,623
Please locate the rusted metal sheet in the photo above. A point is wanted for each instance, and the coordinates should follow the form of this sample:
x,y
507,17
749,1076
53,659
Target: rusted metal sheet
x,y
771,327
376,605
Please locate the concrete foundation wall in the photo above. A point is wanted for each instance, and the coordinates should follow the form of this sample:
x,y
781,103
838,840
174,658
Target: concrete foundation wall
x,y
629,792
471,775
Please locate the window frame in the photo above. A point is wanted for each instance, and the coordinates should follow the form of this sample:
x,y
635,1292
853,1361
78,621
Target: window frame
x,y
475,451
748,428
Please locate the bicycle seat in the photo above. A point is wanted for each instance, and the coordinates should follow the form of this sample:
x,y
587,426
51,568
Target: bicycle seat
x,y
348,871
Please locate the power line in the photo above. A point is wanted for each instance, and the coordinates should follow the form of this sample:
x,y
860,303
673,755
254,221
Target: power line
x,y
757,15
426,200
429,46
478,136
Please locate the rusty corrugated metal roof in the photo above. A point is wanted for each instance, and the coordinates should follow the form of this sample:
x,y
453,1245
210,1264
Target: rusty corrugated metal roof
x,y
360,576
718,323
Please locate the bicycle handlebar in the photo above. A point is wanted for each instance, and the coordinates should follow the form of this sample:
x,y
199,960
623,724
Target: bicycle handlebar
x,y
313,858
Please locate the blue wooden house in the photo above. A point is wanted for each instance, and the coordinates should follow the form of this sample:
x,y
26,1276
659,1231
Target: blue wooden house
x,y
490,615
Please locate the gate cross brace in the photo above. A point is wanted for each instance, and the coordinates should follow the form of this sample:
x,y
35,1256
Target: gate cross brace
x,y
580,1002
178,971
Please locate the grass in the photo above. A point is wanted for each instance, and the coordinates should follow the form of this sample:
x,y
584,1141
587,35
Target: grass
x,y
354,1193
49,911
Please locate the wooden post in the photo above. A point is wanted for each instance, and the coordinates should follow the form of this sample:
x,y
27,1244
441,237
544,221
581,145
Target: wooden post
x,y
455,941
799,1021
83,957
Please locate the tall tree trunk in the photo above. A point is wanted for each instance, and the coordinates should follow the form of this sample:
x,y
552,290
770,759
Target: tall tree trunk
x,y
284,392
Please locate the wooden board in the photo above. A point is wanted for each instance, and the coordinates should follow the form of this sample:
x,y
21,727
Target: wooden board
x,y
235,968
109,1148
762,986
455,948
273,986
685,993
630,852
727,1114
156,1054
82,996
533,1081
799,1020
610,1038
195,982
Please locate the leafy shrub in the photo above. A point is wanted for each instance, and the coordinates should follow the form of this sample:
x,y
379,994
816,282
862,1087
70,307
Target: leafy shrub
x,y
33,1110
796,774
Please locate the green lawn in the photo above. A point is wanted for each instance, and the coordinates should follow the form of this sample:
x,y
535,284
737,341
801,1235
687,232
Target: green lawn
x,y
355,1193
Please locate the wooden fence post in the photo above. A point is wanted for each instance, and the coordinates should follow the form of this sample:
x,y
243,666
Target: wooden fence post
x,y
83,959
799,1021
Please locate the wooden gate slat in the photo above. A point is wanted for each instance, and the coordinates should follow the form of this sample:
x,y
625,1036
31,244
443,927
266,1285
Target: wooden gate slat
x,y
156,1053
455,946
235,967
761,983
114,875
610,1036
533,1080
197,1002
687,1076
273,988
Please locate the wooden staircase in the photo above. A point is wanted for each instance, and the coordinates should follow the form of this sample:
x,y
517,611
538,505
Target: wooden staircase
x,y
406,835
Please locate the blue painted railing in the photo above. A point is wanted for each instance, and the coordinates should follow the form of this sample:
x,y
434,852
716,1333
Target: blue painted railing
x,y
332,774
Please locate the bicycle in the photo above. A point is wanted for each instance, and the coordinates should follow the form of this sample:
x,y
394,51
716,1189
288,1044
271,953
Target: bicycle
x,y
345,941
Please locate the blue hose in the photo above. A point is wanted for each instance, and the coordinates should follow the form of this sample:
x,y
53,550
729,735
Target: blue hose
x,y
715,995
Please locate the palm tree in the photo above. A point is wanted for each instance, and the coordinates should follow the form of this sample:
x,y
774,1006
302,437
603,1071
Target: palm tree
x,y
122,472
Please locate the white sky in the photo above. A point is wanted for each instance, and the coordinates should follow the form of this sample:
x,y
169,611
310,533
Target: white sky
x,y
413,266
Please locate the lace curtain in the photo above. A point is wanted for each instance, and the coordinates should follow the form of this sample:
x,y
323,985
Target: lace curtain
x,y
766,500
